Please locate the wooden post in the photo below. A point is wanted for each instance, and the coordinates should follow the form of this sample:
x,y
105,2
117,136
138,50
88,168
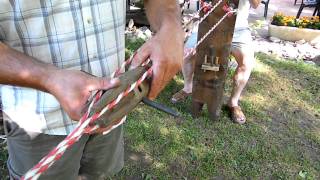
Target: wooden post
x,y
211,65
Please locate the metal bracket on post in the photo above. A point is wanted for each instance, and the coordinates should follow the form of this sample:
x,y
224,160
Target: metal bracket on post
x,y
213,65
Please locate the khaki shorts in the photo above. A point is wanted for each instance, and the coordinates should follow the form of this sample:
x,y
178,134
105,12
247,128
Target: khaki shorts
x,y
242,36
92,157
242,41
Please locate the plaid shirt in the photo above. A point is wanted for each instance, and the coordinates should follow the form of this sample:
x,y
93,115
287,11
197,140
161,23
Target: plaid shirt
x,y
85,35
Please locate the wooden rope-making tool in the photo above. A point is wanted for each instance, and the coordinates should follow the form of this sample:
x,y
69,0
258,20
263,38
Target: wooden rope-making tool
x,y
211,65
108,108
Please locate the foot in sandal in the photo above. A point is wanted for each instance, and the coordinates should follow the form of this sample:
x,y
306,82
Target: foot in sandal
x,y
180,96
237,115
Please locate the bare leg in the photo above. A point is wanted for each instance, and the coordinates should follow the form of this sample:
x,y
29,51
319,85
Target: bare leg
x,y
187,71
245,60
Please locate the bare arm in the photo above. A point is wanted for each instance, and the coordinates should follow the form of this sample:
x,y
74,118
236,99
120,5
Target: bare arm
x,y
165,49
163,13
21,70
255,3
72,88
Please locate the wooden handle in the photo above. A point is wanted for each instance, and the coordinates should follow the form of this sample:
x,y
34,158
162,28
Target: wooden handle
x,y
128,103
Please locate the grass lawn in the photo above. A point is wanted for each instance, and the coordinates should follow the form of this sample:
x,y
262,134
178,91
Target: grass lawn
x,y
281,139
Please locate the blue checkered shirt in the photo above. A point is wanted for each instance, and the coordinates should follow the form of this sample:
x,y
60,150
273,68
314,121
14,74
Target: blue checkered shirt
x,y
85,35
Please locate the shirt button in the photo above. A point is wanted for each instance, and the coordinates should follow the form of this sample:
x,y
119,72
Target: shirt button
x,y
89,20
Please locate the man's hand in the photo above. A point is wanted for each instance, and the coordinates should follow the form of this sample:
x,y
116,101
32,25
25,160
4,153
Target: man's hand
x,y
165,50
73,88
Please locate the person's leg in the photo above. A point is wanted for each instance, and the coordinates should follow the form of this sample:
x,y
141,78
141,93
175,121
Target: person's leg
x,y
103,155
26,149
187,72
244,56
187,69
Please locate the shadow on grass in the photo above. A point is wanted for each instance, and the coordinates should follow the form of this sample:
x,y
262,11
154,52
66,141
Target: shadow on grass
x,y
280,140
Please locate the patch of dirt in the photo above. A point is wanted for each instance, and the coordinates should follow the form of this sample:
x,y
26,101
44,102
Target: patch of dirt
x,y
178,168
133,157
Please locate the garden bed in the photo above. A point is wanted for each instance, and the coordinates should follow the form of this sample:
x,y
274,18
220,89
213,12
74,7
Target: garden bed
x,y
290,28
294,34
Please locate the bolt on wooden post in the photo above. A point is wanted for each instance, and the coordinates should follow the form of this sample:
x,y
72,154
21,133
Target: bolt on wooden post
x,y
211,66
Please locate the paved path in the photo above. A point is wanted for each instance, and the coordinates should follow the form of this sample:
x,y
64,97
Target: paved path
x,y
284,6
291,50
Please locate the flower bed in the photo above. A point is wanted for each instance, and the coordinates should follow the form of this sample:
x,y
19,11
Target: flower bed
x,y
291,29
312,22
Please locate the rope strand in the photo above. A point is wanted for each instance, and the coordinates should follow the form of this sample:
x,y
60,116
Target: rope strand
x,y
83,125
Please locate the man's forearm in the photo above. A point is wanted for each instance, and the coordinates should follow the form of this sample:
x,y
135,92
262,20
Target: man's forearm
x,y
163,13
18,69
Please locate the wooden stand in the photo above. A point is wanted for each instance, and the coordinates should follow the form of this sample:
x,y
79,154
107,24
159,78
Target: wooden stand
x,y
211,65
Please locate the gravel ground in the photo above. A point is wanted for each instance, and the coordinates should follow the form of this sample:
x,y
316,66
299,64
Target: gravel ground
x,y
299,50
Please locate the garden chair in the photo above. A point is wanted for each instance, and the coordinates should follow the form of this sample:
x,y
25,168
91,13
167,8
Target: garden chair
x,y
266,4
311,4
187,2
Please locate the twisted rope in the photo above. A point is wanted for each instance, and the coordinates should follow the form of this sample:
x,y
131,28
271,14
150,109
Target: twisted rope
x,y
193,50
81,128
83,125
210,11
195,15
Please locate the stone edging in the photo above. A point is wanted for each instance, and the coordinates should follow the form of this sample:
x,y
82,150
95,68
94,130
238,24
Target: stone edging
x,y
294,34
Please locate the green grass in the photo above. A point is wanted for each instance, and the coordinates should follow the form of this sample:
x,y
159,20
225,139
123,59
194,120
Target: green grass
x,y
3,158
281,139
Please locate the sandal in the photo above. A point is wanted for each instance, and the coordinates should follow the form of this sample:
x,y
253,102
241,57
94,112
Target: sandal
x,y
237,115
179,96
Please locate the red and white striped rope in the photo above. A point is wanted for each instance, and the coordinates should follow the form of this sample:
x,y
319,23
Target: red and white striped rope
x,y
194,16
214,27
123,65
210,11
82,126
80,129
193,50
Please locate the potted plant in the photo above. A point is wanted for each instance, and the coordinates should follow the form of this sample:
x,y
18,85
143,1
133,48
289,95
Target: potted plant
x,y
292,29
